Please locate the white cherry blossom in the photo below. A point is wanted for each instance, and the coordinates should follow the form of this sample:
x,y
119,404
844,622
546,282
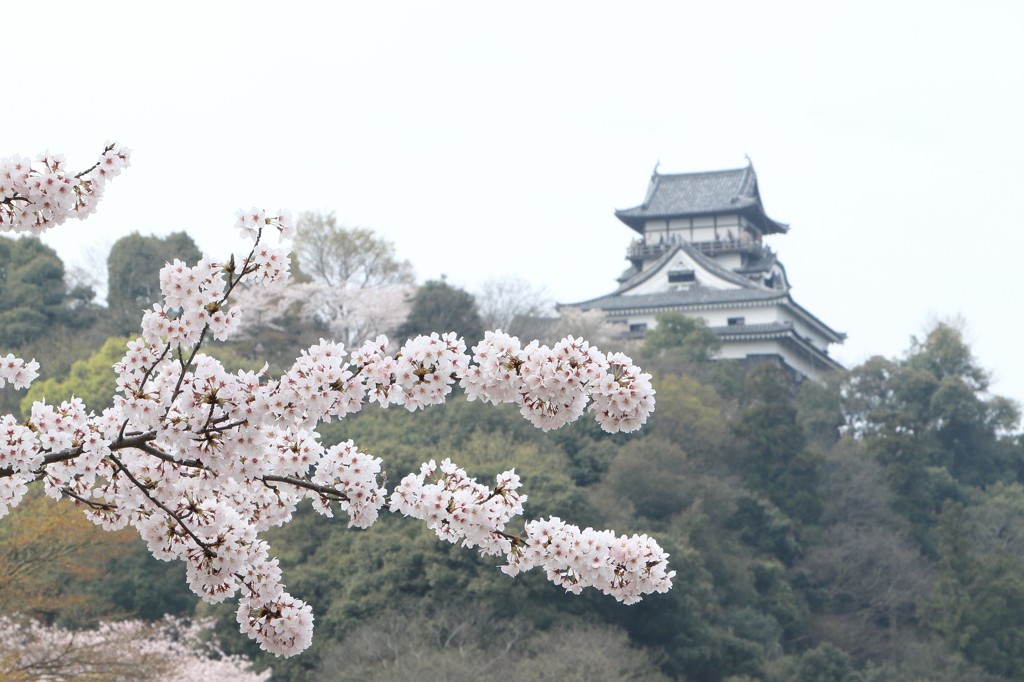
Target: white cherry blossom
x,y
35,196
200,460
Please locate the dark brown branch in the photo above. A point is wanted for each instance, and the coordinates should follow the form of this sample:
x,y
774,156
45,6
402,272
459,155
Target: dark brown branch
x,y
223,428
206,548
160,454
95,505
95,165
308,485
72,453
184,368
142,384
516,539
209,415
145,377
202,335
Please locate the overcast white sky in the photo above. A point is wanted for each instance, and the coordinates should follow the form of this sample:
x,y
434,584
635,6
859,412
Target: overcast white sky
x,y
488,139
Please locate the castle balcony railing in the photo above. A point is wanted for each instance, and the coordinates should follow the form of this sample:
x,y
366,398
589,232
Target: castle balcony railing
x,y
643,251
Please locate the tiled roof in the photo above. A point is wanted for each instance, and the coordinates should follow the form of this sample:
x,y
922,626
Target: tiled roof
x,y
694,296
776,330
692,194
754,329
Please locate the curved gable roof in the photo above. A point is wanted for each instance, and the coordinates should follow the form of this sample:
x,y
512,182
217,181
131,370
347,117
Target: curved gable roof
x,y
681,195
699,258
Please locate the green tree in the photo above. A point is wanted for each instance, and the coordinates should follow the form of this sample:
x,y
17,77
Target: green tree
x,y
650,473
685,345
824,663
439,307
772,457
929,419
93,380
33,295
689,414
978,606
761,525
685,337
134,273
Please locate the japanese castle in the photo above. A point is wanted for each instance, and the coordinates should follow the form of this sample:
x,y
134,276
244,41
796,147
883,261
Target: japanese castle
x,y
700,253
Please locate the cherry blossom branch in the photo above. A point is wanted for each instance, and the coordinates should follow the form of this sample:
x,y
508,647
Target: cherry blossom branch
x,y
67,492
185,366
138,442
142,384
225,427
232,282
96,165
205,547
255,438
160,454
308,485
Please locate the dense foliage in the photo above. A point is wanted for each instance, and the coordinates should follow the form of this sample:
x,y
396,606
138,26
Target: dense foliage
x,y
870,529
33,295
439,305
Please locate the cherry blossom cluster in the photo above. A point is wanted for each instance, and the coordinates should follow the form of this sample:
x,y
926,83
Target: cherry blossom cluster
x,y
624,567
200,460
171,650
623,397
250,223
35,196
422,373
17,371
456,507
553,386
345,468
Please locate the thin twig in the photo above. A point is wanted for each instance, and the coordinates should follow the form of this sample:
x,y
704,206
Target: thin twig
x,y
202,335
206,548
223,428
160,454
95,505
191,357
95,165
142,384
308,485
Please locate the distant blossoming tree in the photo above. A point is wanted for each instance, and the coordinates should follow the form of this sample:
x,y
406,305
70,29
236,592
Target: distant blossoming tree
x,y
200,461
169,651
353,285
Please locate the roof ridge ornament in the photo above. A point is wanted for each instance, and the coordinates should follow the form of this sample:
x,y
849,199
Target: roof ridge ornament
x,y
656,166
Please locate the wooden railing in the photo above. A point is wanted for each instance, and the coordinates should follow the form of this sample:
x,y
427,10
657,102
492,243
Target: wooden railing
x,y
645,251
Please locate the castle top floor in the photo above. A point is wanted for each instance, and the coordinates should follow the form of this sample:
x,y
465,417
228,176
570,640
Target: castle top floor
x,y
703,201
718,212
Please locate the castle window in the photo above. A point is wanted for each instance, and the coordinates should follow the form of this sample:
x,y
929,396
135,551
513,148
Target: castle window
x,y
639,327
737,321
677,276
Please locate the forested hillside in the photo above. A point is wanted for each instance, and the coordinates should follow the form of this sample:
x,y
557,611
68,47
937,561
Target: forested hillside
x,y
867,530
